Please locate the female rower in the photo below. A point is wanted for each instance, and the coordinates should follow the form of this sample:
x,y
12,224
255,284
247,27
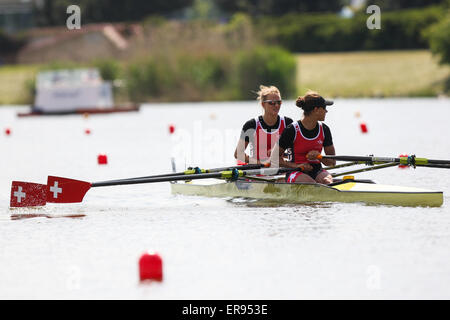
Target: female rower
x,y
307,137
263,132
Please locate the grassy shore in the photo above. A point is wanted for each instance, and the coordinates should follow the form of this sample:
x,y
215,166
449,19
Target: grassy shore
x,y
409,73
13,83
353,74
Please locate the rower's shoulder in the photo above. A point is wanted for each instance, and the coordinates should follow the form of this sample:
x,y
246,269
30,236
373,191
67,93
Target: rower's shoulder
x,y
290,128
325,127
288,121
250,124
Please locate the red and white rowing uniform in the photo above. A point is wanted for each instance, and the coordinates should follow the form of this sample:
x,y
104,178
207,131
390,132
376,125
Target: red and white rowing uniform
x,y
264,141
303,145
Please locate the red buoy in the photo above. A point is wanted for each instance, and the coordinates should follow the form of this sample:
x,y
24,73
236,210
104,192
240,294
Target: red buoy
x,y
364,128
8,131
150,267
87,131
102,159
171,129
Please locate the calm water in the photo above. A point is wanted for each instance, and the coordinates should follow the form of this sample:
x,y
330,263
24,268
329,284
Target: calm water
x,y
216,248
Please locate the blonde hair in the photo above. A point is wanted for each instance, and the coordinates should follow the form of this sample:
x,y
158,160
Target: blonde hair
x,y
265,91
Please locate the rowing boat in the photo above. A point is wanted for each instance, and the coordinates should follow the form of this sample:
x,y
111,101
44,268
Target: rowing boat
x,y
348,190
254,181
76,91
114,109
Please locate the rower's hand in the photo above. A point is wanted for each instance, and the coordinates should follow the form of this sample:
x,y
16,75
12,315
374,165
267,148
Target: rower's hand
x,y
266,164
306,167
312,155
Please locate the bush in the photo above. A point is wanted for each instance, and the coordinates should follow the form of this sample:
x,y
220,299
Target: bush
x,y
207,76
203,71
146,79
190,77
109,69
267,66
439,39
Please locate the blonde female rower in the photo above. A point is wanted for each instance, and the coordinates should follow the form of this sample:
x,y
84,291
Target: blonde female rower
x,y
261,133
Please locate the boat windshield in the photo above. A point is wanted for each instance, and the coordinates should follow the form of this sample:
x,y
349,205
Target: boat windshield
x,y
68,78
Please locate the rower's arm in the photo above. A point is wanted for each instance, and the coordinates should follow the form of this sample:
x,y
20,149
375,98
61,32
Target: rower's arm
x,y
239,153
277,157
329,151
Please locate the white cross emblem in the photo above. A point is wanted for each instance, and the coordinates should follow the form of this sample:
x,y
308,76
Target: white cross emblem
x,y
19,194
55,190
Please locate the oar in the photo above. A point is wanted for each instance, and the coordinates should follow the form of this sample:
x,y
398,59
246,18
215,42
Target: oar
x,y
381,166
198,170
440,166
64,190
387,165
410,160
342,165
26,194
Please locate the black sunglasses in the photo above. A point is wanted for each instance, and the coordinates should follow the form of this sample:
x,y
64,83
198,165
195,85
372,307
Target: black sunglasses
x,y
273,102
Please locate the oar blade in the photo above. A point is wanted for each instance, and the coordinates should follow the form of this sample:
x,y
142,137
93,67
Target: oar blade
x,y
27,194
64,190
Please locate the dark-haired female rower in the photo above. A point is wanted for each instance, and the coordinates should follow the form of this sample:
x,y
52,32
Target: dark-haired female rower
x,y
307,137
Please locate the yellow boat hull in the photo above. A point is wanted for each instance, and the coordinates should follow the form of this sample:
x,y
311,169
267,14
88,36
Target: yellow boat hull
x,y
351,191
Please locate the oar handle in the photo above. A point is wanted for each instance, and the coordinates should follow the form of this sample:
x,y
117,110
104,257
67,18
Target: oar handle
x,y
440,166
360,159
353,163
381,166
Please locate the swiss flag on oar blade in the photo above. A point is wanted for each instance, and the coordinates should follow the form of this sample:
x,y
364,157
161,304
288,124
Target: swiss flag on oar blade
x,y
26,194
63,190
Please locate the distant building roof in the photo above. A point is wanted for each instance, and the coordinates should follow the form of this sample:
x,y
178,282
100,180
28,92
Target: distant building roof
x,y
51,35
91,41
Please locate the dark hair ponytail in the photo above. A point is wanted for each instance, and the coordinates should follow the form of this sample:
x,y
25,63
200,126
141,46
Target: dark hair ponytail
x,y
305,101
301,103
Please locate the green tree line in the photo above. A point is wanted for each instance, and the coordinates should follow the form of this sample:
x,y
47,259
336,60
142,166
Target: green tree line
x,y
296,25
402,29
53,12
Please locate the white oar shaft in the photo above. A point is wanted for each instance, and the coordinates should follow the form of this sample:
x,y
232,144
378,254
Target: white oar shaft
x,y
342,165
228,174
410,160
386,165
